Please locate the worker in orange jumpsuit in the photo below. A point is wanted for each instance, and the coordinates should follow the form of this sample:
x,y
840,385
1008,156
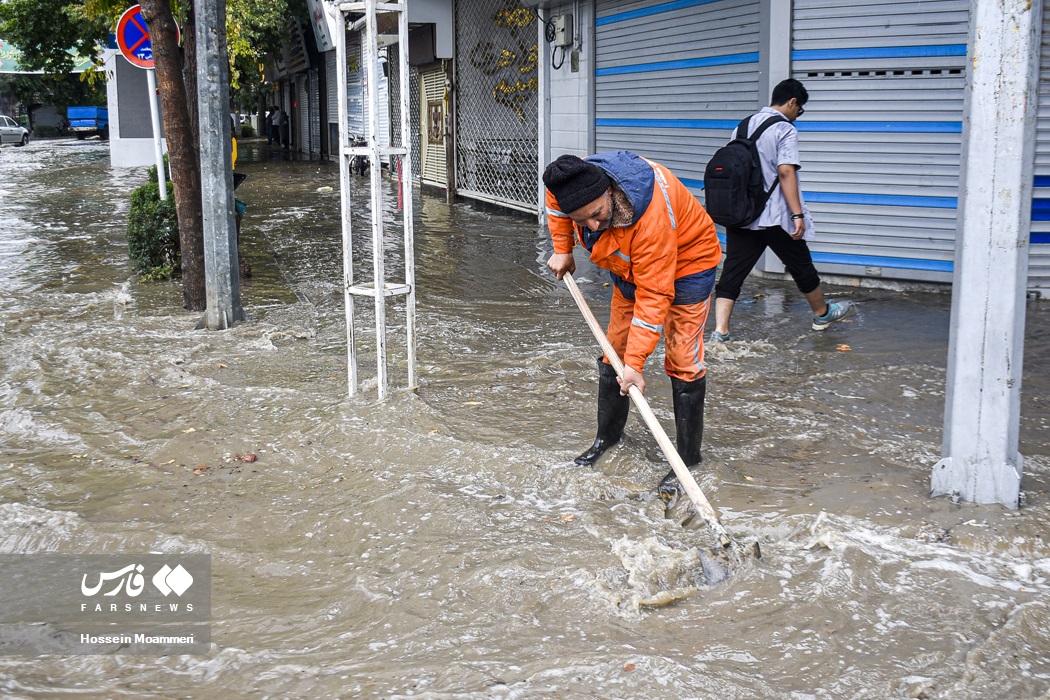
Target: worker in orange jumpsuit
x,y
639,222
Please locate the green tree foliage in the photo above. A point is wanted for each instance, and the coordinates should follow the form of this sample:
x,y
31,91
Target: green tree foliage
x,y
46,30
255,29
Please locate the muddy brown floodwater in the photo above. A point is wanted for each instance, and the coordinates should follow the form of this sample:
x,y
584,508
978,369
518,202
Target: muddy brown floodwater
x,y
440,544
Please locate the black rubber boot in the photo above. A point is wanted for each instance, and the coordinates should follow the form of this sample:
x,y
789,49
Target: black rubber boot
x,y
689,428
612,415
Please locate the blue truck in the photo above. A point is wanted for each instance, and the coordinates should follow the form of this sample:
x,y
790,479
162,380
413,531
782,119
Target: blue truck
x,y
88,121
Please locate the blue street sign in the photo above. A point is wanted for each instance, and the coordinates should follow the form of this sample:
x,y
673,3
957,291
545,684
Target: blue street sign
x,y
133,38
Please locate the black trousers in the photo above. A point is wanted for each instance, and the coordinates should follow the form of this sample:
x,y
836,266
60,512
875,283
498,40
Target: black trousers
x,y
743,249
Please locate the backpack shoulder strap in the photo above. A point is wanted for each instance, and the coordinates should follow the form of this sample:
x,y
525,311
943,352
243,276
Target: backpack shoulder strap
x,y
741,128
754,139
765,125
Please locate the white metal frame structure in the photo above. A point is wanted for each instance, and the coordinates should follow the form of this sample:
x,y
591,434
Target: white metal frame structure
x,y
379,289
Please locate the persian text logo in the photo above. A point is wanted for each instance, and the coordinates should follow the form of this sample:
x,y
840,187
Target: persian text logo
x,y
130,579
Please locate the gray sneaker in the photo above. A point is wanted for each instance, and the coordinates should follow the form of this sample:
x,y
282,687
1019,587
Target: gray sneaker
x,y
836,312
717,337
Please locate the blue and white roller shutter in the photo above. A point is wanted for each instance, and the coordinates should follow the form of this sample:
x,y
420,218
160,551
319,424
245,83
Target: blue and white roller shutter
x,y
881,137
1039,252
672,79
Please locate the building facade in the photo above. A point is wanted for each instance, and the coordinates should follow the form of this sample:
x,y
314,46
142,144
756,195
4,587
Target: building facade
x,y
502,87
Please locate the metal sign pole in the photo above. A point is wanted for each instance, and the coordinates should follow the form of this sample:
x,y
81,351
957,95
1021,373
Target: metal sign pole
x,y
158,148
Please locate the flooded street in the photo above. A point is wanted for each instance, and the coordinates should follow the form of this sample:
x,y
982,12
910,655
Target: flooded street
x,y
440,543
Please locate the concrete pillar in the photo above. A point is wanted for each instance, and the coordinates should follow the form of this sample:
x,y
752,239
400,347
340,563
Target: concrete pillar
x,y
775,56
980,460
775,53
221,272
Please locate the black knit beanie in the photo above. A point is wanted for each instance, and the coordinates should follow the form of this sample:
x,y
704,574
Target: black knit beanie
x,y
574,182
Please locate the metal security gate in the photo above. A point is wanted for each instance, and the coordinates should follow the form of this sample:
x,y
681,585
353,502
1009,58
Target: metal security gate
x,y
497,106
880,140
395,107
673,79
1039,252
432,128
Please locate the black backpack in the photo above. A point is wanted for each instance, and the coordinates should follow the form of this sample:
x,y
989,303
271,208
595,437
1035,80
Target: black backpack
x,y
734,190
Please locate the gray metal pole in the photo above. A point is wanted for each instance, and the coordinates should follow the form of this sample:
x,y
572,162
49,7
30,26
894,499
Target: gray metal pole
x,y
221,273
981,462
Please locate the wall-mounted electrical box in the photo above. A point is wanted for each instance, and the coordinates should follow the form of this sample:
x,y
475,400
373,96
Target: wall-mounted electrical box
x,y
563,30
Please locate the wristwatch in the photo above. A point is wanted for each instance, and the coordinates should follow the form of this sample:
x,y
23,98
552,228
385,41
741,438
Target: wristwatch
x,y
795,217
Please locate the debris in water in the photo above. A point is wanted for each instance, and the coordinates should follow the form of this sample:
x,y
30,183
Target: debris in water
x,y
715,566
667,597
653,575
828,539
843,348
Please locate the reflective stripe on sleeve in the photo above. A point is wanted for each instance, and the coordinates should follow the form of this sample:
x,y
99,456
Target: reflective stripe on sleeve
x,y
660,180
555,212
649,326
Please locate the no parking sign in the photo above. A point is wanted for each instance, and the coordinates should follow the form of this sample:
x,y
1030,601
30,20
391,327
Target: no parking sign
x,y
134,43
133,38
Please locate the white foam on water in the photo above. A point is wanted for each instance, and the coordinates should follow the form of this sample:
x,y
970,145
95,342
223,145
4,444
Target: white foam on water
x,y
27,529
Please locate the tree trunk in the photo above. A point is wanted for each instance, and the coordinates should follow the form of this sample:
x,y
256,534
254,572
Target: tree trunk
x,y
182,154
189,74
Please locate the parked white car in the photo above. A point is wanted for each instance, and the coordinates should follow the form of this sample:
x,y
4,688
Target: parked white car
x,y
12,132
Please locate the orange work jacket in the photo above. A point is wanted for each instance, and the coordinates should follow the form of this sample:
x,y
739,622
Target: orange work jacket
x,y
671,237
